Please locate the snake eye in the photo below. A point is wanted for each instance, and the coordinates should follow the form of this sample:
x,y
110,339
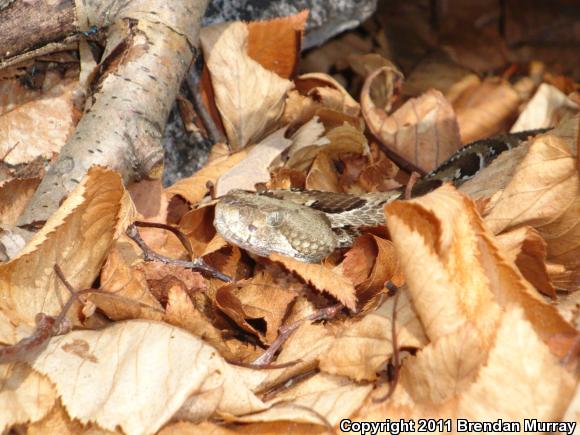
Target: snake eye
x,y
274,218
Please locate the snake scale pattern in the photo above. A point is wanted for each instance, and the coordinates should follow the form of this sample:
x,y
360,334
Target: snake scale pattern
x,y
308,225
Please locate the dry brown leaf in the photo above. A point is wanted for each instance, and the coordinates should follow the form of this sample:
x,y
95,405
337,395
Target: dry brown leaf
x,y
525,247
323,175
250,98
306,140
197,226
328,92
445,368
257,306
58,422
322,278
543,193
124,290
181,312
14,195
423,132
338,140
485,110
437,71
370,264
363,346
365,64
455,271
36,122
25,395
379,175
331,397
130,366
304,347
194,188
275,44
546,108
255,168
77,237
287,178
455,378
538,384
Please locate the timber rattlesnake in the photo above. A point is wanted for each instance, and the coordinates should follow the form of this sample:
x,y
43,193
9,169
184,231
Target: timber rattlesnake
x,y
308,225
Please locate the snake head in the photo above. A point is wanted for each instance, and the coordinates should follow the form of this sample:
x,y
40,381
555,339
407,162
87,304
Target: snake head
x,y
264,225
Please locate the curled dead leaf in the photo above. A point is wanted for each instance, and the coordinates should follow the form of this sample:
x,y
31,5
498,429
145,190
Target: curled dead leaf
x,y
423,132
250,98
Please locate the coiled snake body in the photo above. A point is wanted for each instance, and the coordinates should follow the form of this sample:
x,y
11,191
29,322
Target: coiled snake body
x,y
308,225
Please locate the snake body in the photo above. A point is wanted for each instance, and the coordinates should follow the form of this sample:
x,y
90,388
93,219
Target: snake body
x,y
308,225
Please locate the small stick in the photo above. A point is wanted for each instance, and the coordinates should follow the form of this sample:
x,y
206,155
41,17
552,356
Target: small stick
x,y
196,264
264,366
192,80
287,330
182,238
46,327
396,359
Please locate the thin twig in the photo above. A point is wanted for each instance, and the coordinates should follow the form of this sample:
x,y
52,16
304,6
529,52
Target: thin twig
x,y
196,264
46,327
287,330
396,358
264,366
182,238
193,82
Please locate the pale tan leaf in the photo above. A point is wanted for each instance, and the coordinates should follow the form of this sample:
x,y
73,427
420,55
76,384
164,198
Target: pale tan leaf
x,y
194,188
543,193
423,132
363,346
25,395
255,168
136,365
456,378
332,397
445,368
344,138
322,278
539,386
546,108
36,123
563,236
485,110
14,195
58,422
573,411
322,174
77,237
249,97
328,92
455,271
527,250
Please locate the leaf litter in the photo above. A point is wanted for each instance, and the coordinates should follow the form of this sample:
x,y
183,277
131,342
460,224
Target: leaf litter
x,y
487,276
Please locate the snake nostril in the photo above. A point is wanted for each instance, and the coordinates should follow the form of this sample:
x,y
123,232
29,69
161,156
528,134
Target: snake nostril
x,y
252,228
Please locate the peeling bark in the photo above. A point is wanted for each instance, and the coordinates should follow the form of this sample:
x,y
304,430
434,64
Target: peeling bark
x,y
150,45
